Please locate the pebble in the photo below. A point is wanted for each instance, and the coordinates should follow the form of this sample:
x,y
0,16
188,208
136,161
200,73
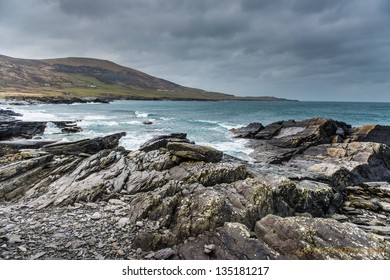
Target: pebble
x,y
22,248
139,224
96,216
122,222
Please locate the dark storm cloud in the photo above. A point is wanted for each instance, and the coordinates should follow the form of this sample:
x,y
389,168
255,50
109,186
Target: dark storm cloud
x,y
305,49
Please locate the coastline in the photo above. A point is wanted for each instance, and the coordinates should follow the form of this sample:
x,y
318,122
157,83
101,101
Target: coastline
x,y
174,199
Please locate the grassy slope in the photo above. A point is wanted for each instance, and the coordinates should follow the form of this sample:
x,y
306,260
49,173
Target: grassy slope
x,y
67,85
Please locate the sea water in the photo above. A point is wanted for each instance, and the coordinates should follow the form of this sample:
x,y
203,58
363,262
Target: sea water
x,y
205,122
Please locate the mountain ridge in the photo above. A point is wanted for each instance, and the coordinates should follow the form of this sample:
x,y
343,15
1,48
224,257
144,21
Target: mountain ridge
x,y
82,77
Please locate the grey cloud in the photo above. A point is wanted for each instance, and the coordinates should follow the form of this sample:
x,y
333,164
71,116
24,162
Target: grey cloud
x,y
290,48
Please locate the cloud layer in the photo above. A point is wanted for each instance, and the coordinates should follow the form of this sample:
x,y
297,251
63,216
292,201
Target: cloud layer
x,y
300,49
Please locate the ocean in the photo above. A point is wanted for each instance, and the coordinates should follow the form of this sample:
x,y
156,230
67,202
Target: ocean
x,y
205,122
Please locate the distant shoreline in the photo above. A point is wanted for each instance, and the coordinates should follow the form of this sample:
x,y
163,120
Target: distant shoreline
x,y
28,100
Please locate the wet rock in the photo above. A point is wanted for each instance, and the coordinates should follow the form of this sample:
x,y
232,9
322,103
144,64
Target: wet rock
x,y
248,131
23,129
87,146
279,141
193,152
162,140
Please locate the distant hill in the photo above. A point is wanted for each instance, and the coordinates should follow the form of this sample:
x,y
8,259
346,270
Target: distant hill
x,y
72,77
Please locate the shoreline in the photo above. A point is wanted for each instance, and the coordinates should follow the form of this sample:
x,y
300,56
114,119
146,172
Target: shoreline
x,y
23,100
316,179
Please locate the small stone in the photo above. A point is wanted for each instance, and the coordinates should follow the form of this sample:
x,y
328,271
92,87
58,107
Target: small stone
x,y
22,248
96,216
101,244
122,222
121,252
14,238
92,205
139,251
185,192
164,254
209,248
139,224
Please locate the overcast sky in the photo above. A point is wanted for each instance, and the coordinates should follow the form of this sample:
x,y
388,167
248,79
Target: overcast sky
x,y
299,49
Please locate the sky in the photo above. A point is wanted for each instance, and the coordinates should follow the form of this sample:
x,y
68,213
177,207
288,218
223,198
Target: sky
x,y
328,50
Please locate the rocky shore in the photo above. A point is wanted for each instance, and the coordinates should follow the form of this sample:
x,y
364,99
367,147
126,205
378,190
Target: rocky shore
x,y
318,190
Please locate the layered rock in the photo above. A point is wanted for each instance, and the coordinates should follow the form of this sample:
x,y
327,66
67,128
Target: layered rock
x,y
175,199
279,141
318,238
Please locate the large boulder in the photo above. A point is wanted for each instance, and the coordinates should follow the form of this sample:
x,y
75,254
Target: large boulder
x,y
86,146
161,141
370,133
232,241
248,131
279,141
318,238
193,152
346,164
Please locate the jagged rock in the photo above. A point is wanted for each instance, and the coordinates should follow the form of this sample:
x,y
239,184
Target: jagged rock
x,y
232,241
68,126
161,141
368,206
24,129
12,147
370,133
318,238
194,152
346,164
279,141
172,194
248,131
8,115
88,146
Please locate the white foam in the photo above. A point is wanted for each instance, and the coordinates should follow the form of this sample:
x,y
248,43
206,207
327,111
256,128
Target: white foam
x,y
95,117
235,148
51,128
36,115
134,122
141,114
167,119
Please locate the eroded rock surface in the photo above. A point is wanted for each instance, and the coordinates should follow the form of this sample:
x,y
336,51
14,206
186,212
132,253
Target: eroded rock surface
x,y
172,199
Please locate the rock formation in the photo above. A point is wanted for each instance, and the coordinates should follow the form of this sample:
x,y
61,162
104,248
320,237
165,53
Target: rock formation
x,y
327,198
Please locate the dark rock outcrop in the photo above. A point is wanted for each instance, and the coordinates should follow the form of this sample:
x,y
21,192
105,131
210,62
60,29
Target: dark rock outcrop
x,y
173,199
248,131
161,141
279,141
193,152
308,238
86,146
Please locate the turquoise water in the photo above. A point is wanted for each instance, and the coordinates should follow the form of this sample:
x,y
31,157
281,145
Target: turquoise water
x,y
204,122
